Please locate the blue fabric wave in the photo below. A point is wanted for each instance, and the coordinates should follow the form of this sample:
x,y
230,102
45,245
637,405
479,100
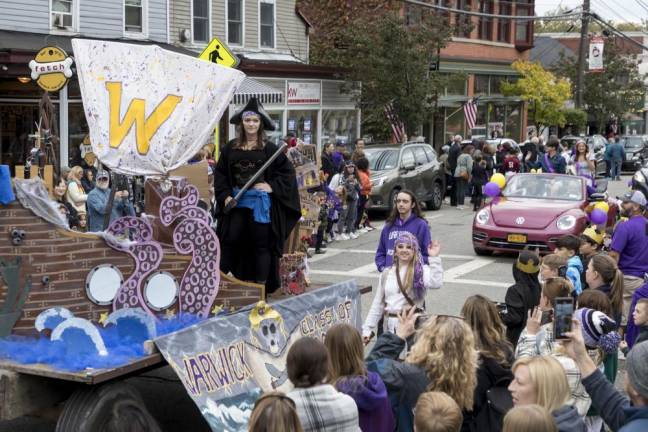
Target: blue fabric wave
x,y
258,201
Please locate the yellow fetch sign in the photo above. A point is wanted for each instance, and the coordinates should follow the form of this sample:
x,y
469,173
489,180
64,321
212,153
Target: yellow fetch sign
x,y
217,52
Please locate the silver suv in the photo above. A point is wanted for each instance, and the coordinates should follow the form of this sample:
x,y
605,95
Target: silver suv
x,y
412,166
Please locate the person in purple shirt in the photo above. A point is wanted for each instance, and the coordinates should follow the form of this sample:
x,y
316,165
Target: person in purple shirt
x,y
405,216
629,246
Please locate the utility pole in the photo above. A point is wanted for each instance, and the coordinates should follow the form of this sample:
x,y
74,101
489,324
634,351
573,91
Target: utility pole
x,y
582,53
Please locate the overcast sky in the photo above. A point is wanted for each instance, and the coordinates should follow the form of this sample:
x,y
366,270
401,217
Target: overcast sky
x,y
616,10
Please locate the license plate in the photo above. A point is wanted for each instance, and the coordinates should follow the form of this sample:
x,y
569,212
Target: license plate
x,y
517,238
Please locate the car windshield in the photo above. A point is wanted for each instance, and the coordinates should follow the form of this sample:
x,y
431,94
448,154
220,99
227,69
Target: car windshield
x,y
544,187
380,160
633,142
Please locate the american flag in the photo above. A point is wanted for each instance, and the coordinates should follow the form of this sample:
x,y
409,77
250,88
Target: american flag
x,y
398,128
470,112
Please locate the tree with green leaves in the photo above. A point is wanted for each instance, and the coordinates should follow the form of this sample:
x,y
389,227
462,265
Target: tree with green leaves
x,y
618,90
545,93
386,57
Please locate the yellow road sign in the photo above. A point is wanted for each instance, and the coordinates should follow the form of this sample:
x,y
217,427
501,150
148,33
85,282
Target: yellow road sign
x,y
217,52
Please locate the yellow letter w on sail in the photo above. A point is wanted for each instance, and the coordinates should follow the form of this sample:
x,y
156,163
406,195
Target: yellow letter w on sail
x,y
145,128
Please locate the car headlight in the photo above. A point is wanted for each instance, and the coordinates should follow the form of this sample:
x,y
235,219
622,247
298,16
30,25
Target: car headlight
x,y
566,222
378,182
635,157
638,177
482,216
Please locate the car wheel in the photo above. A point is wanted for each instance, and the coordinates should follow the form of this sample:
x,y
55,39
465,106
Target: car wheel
x,y
482,252
437,197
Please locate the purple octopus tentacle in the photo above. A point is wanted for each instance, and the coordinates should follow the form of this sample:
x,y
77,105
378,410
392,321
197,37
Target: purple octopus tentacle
x,y
171,206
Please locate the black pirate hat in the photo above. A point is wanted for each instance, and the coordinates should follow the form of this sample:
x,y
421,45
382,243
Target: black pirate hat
x,y
255,106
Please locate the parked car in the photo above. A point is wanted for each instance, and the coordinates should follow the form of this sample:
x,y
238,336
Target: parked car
x,y
533,212
596,144
567,142
636,151
640,179
412,166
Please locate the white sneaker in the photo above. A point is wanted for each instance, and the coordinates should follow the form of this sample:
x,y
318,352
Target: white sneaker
x,y
344,237
363,230
460,207
354,235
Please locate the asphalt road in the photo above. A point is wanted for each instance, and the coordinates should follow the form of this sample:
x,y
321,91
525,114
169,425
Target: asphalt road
x,y
465,274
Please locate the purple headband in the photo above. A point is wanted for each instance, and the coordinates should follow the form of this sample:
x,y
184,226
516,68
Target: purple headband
x,y
409,239
247,114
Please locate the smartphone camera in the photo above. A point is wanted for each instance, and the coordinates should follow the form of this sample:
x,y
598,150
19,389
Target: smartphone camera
x,y
563,312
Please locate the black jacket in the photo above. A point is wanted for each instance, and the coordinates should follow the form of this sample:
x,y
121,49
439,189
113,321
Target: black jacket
x,y
519,299
453,155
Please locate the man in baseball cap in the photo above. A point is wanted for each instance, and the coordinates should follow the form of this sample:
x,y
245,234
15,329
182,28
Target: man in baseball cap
x,y
620,412
635,197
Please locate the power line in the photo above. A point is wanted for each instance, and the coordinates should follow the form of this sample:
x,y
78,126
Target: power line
x,y
486,15
643,5
618,32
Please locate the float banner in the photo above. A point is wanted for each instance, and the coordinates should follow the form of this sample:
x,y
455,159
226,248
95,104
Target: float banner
x,y
227,362
596,54
149,110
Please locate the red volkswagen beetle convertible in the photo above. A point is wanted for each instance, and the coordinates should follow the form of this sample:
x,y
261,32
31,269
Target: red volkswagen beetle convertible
x,y
533,211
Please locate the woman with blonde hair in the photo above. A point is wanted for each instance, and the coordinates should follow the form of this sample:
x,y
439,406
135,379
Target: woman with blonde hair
x,y
443,358
274,411
542,381
496,358
76,195
348,374
529,418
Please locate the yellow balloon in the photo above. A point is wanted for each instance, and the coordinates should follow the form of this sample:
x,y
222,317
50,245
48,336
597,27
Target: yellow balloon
x,y
499,179
602,206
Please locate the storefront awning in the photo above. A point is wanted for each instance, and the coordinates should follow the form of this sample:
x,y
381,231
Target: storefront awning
x,y
263,92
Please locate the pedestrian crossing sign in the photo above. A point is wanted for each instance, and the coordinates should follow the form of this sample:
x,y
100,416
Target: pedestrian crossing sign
x,y
217,52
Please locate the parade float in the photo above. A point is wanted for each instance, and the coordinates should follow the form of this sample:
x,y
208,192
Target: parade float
x,y
94,308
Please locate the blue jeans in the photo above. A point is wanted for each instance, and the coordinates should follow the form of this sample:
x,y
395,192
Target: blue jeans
x,y
615,171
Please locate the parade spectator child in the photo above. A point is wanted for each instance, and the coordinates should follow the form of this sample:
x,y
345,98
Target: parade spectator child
x,y
603,274
349,375
529,418
523,296
479,178
591,243
437,412
349,180
274,411
640,319
406,216
76,196
568,247
320,406
553,266
404,284
632,330
511,162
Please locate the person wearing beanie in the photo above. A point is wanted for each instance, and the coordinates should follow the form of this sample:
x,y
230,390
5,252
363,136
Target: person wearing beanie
x,y
620,413
599,330
522,296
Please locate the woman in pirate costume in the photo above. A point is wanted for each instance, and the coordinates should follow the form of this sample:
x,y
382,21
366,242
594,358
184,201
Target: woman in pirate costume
x,y
404,284
253,233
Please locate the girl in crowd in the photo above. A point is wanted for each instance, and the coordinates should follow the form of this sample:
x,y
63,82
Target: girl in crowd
x,y
76,196
541,380
349,375
443,359
272,412
319,405
529,418
348,179
252,234
365,185
584,163
65,207
404,284
496,358
88,180
523,296
603,274
406,215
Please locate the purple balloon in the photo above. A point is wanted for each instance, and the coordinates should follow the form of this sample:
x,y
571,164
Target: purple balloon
x,y
492,189
598,216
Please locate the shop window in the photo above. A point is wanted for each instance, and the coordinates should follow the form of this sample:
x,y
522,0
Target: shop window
x,y
486,23
463,22
339,126
62,15
303,123
200,12
134,16
481,85
77,131
523,29
235,22
456,85
277,135
267,23
496,83
504,25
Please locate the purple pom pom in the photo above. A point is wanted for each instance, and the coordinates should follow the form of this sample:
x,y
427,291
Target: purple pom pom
x,y
598,216
492,189
610,342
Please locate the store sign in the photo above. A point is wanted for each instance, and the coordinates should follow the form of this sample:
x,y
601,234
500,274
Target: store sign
x,y
596,54
149,110
51,69
300,93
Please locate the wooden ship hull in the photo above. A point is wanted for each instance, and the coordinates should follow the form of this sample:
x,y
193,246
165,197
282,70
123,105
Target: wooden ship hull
x,y
57,262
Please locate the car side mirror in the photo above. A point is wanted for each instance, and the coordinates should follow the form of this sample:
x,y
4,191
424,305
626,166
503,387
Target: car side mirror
x,y
409,166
